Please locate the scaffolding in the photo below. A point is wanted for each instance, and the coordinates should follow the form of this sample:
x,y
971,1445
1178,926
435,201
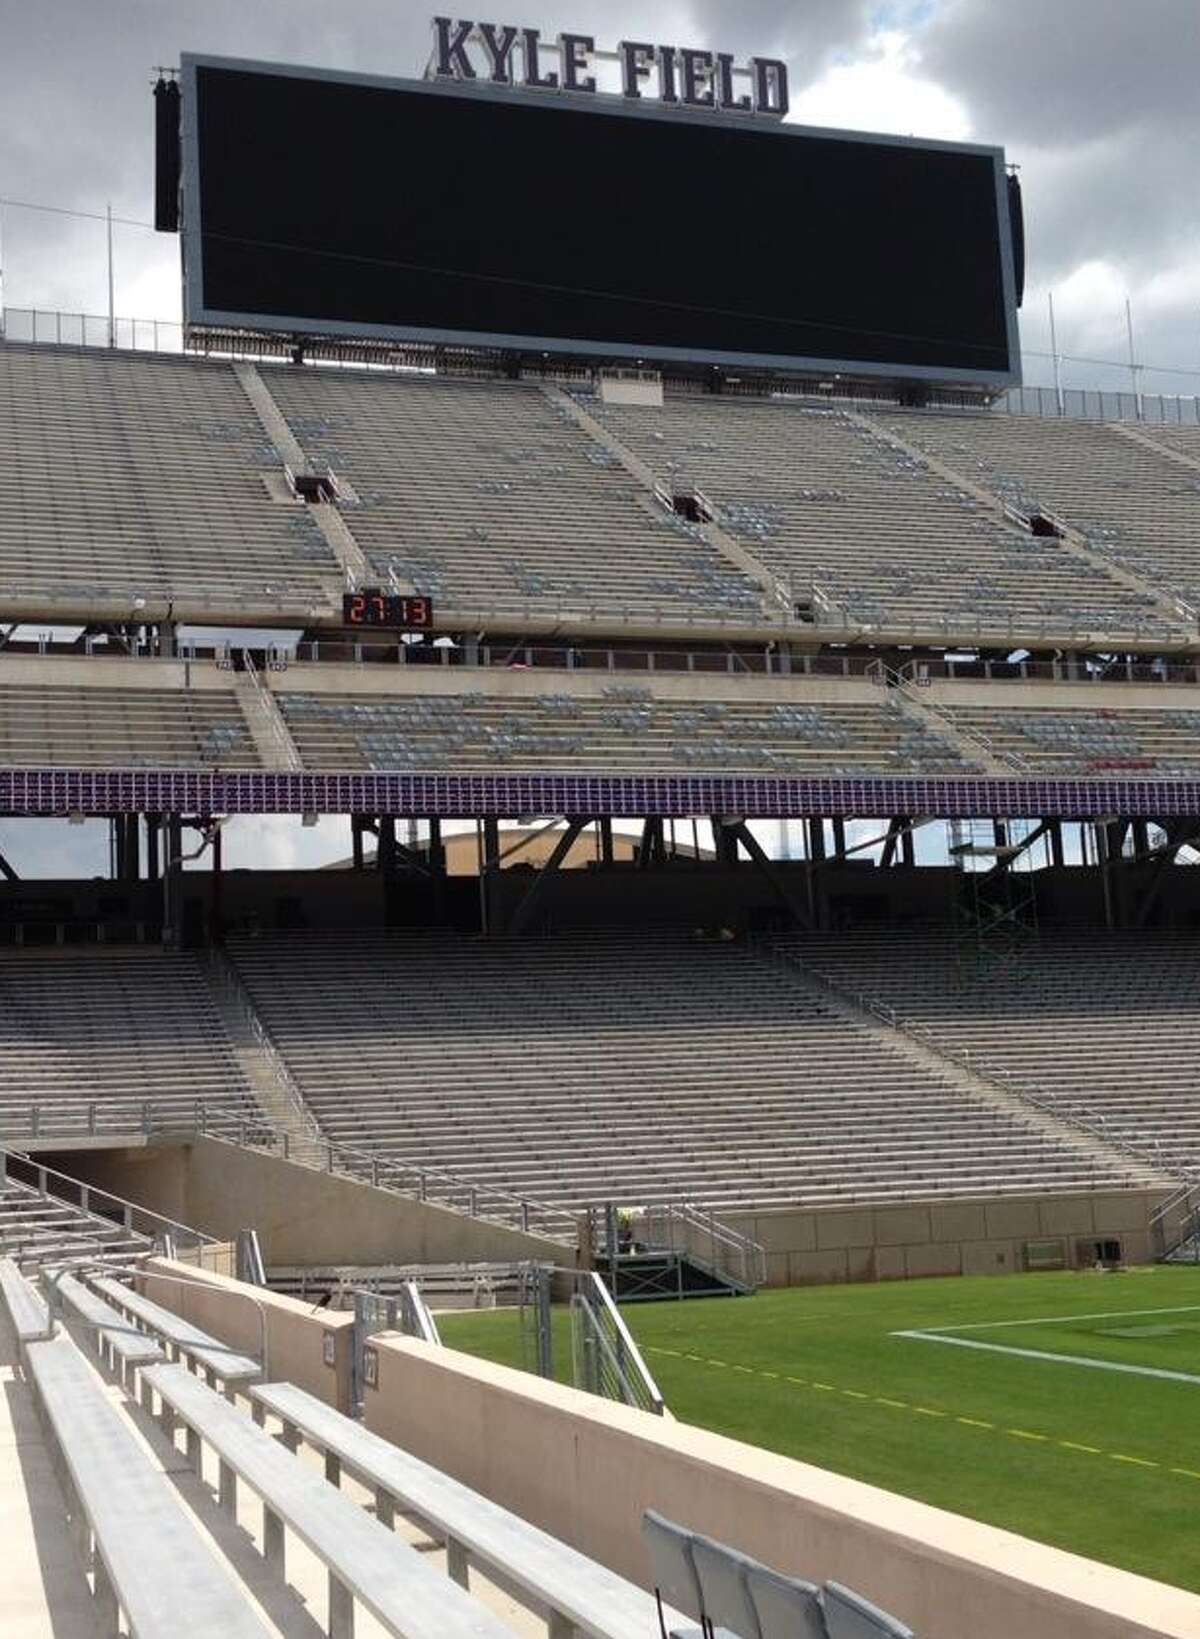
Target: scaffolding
x,y
994,902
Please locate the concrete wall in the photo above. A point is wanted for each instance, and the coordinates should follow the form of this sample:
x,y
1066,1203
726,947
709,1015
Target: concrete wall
x,y
302,1216
586,1469
980,1237
308,1347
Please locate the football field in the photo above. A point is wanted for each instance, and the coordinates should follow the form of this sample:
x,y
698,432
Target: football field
x,y
1062,1406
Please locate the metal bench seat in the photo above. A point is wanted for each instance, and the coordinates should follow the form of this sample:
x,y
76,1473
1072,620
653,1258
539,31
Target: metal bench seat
x,y
577,1594
116,1339
366,1562
149,1558
25,1308
216,1359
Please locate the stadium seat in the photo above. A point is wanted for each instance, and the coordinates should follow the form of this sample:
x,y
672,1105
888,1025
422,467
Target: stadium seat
x,y
849,1616
727,1602
673,1570
787,1607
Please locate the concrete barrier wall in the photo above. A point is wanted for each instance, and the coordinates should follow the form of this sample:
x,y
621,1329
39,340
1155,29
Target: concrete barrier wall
x,y
586,1469
303,1216
308,1347
981,1237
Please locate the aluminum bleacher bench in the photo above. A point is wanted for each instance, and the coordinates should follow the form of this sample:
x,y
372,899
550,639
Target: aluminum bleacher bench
x,y
26,1310
215,1359
574,1593
366,1562
119,1342
149,1559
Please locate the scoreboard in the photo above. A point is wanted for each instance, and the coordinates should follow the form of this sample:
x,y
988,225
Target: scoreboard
x,y
372,607
459,213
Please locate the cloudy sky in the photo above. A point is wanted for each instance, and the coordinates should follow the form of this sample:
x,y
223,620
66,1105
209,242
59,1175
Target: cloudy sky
x,y
1096,101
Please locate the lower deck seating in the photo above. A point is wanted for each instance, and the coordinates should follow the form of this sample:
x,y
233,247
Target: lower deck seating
x,y
1106,1025
628,1067
92,1039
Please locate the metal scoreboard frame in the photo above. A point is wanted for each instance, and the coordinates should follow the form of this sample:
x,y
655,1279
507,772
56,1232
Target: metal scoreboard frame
x,y
200,317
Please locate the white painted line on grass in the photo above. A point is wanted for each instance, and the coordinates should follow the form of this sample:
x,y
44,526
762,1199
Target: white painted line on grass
x,y
1051,1320
1062,1359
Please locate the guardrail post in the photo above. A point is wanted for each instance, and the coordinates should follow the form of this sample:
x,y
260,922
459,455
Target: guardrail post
x,y
91,1119
329,1158
375,1171
287,1146
525,1215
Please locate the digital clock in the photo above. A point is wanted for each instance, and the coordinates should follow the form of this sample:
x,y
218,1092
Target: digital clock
x,y
371,607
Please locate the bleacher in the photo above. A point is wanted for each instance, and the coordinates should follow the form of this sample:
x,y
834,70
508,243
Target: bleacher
x,y
142,476
94,1040
1133,506
93,726
618,727
825,501
486,497
632,1068
1087,740
1106,1025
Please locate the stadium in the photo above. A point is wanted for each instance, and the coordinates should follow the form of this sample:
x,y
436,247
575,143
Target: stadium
x,y
714,1148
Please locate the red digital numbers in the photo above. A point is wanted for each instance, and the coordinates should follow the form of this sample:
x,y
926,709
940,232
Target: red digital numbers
x,y
371,607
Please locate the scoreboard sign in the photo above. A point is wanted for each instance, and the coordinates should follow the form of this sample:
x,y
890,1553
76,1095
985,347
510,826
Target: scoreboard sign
x,y
371,607
466,211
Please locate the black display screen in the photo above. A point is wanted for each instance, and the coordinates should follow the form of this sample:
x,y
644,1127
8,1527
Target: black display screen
x,y
372,607
336,204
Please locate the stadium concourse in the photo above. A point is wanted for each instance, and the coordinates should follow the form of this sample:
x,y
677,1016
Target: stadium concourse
x,y
858,743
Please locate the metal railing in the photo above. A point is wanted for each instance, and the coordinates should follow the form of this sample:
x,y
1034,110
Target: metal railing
x,y
604,1358
739,661
51,327
696,1233
884,675
429,1185
1089,1123
268,714
186,1244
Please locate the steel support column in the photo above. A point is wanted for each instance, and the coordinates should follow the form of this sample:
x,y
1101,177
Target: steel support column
x,y
524,911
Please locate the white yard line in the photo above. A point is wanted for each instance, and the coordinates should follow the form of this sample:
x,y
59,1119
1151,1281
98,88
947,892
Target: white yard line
x,y
1062,1359
1050,1320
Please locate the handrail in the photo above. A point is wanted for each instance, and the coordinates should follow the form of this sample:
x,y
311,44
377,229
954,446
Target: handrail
x,y
230,980
598,1325
883,673
268,714
1091,1123
88,1192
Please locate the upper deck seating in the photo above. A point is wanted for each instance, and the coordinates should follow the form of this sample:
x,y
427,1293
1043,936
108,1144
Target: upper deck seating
x,y
102,727
1138,508
1088,740
629,729
99,1035
485,497
133,475
627,1067
825,501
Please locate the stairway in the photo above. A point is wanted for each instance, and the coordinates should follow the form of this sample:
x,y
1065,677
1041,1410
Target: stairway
x,y
37,1229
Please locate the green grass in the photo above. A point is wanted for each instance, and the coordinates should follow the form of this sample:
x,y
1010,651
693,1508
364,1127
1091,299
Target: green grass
x,y
1101,1462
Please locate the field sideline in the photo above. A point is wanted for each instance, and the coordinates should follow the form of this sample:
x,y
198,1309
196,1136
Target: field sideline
x,y
1065,1407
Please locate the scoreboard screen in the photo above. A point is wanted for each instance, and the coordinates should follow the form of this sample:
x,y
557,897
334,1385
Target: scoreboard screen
x,y
371,607
329,204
